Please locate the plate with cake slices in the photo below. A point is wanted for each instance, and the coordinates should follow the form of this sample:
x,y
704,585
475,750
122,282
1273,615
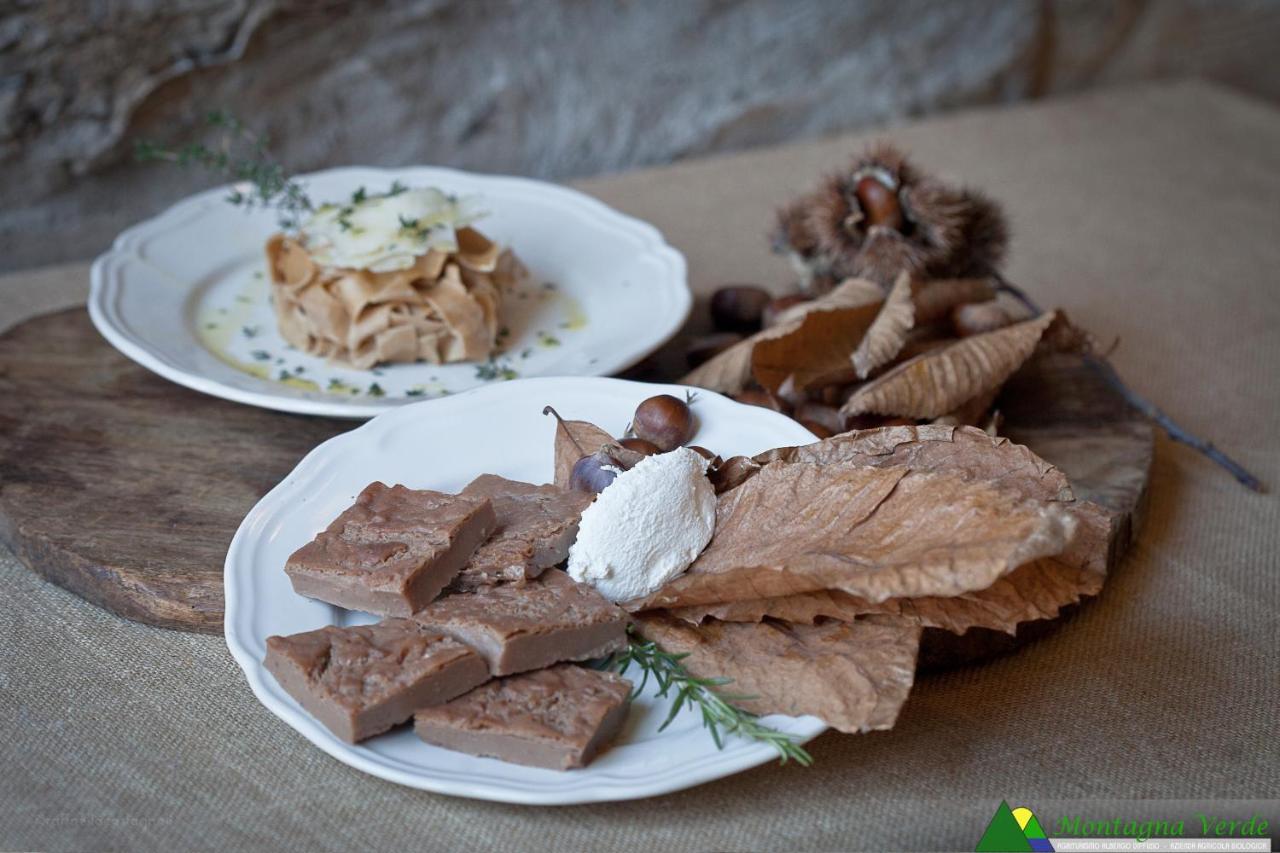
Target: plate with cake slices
x,y
353,291
439,597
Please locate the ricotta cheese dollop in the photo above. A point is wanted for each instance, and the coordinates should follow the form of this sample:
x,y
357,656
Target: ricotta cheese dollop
x,y
646,527
387,232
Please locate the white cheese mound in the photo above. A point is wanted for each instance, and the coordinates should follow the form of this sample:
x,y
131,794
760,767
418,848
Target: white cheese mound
x,y
387,232
646,527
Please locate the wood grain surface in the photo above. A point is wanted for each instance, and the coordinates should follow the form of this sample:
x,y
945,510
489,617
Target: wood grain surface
x,y
126,489
122,486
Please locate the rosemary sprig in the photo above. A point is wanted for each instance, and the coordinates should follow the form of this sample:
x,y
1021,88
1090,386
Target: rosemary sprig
x,y
719,715
241,155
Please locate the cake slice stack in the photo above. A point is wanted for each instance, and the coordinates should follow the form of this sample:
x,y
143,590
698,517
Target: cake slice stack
x,y
507,616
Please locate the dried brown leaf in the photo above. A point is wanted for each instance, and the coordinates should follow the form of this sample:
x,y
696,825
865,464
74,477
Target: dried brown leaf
x,y
575,439
794,336
888,332
935,299
878,533
938,382
924,339
1036,590
853,676
729,372
817,351
1065,336
973,455
803,608
933,447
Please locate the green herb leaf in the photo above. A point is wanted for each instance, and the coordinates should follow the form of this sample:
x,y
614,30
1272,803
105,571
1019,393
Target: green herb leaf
x,y
719,716
492,370
241,156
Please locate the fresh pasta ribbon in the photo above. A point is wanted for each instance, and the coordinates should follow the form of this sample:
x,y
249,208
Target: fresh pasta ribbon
x,y
444,308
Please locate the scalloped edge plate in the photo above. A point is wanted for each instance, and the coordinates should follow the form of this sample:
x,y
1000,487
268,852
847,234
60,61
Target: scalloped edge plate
x,y
443,444
619,293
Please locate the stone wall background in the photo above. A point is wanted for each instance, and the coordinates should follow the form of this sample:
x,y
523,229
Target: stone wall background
x,y
553,88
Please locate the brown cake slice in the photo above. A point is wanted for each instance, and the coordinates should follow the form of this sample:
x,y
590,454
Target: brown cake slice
x,y
360,681
556,718
393,551
536,527
518,628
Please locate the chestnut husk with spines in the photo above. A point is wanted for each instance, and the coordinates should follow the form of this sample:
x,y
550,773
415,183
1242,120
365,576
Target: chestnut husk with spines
x,y
945,231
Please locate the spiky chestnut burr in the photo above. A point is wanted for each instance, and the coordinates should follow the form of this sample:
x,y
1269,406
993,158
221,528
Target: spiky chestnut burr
x,y
883,216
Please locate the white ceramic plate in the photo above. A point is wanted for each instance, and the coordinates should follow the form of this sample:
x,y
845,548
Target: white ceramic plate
x,y
185,295
442,445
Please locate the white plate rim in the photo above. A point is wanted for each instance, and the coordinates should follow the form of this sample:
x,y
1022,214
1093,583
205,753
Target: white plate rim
x,y
105,288
738,755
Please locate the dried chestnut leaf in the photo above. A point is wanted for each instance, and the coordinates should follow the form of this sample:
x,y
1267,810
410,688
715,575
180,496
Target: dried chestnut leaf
x,y
731,371
1036,590
923,339
888,332
853,676
969,452
815,351
728,372
878,533
937,382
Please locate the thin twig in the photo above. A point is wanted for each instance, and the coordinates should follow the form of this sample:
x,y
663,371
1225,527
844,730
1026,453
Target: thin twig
x,y
242,155
1150,410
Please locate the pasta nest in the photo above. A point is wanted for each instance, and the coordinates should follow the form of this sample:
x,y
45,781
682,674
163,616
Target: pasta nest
x,y
443,309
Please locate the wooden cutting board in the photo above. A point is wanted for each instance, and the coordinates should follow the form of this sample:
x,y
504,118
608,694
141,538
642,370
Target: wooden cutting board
x,y
126,488
122,486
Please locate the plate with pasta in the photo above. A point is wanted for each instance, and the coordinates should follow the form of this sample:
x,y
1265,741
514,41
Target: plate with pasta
x,y
388,286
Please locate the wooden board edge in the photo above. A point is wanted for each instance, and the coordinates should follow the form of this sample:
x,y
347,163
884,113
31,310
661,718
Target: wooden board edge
x,y
85,579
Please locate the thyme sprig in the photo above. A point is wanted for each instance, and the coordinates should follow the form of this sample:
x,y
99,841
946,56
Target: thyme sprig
x,y
243,156
719,716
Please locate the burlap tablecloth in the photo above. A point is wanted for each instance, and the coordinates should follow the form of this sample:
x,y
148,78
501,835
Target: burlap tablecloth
x,y
1150,214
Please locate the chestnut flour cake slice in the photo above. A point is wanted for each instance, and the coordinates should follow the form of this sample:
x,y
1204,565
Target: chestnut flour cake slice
x,y
393,551
556,718
518,628
361,680
536,526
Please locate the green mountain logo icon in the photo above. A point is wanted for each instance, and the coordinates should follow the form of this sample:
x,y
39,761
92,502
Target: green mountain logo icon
x,y
1003,834
1013,831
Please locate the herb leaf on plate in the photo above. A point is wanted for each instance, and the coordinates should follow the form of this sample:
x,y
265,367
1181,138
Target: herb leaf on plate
x,y
719,715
